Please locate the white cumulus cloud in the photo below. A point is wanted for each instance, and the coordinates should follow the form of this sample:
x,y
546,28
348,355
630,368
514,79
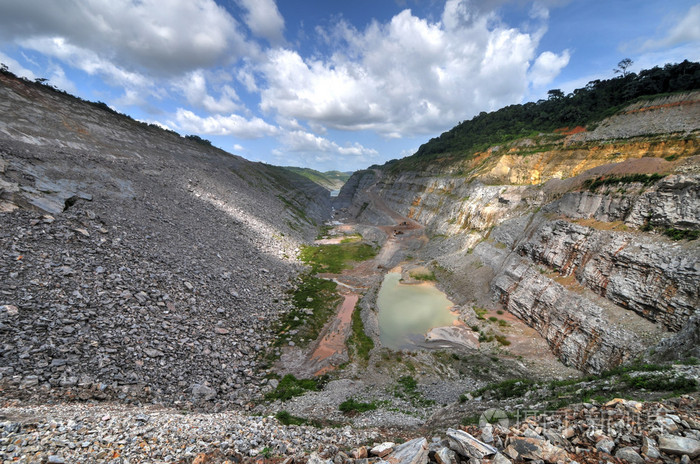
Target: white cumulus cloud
x,y
264,19
232,124
194,87
547,66
160,36
685,30
410,75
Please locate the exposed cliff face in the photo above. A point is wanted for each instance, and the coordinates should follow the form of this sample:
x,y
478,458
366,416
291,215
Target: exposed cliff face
x,y
587,269
576,328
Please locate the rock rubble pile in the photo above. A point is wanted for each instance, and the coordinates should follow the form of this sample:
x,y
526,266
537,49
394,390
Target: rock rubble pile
x,y
620,431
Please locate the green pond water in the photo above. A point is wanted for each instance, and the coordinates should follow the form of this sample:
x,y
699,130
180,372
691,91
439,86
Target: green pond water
x,y
407,312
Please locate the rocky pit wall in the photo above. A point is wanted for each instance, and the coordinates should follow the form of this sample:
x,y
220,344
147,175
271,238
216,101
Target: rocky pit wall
x,y
134,264
565,259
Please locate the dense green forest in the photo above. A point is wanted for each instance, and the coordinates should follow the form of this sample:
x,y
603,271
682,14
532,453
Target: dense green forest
x,y
582,107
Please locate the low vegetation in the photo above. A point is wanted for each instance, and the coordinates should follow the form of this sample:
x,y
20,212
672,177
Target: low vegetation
x,y
681,234
633,381
331,180
315,301
644,179
425,276
359,342
353,406
286,418
289,387
407,388
334,258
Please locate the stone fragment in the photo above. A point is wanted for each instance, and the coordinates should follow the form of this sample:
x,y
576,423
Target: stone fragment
x,y
411,452
153,353
533,449
679,446
446,456
500,459
11,310
382,449
203,392
359,453
649,448
221,331
606,445
487,434
468,446
630,455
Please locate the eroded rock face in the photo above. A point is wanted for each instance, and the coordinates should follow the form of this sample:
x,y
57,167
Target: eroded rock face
x,y
673,202
574,327
590,270
655,278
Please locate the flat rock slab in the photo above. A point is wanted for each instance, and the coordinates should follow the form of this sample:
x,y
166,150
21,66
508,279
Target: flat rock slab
x,y
411,452
673,444
468,446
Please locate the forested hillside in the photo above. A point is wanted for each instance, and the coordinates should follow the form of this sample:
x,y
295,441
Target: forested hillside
x,y
583,107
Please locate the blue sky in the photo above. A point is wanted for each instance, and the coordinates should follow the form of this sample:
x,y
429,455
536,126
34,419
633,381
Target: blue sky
x,y
332,84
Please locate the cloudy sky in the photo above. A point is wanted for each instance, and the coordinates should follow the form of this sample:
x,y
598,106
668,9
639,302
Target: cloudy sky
x,y
333,84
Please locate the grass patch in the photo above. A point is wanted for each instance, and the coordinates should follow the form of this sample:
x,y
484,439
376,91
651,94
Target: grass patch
x,y
635,380
502,340
508,388
290,386
335,258
359,341
296,210
480,313
657,383
351,238
681,234
315,301
323,231
287,419
430,275
644,179
353,406
407,388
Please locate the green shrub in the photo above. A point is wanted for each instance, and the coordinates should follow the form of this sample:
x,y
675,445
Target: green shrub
x,y
334,258
351,405
290,386
287,419
502,340
359,340
645,179
424,276
681,234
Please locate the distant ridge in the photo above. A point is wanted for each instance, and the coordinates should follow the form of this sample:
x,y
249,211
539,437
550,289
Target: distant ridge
x,y
330,180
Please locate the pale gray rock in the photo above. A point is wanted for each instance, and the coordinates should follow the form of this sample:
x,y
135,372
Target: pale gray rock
x,y
630,455
468,446
444,455
679,446
412,452
649,448
203,392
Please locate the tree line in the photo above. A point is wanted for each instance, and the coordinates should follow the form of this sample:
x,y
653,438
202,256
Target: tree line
x,y
582,107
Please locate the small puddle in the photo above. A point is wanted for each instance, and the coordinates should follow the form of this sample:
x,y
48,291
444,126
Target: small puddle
x,y
407,312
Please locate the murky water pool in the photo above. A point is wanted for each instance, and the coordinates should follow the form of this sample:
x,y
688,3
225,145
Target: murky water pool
x,y
407,312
